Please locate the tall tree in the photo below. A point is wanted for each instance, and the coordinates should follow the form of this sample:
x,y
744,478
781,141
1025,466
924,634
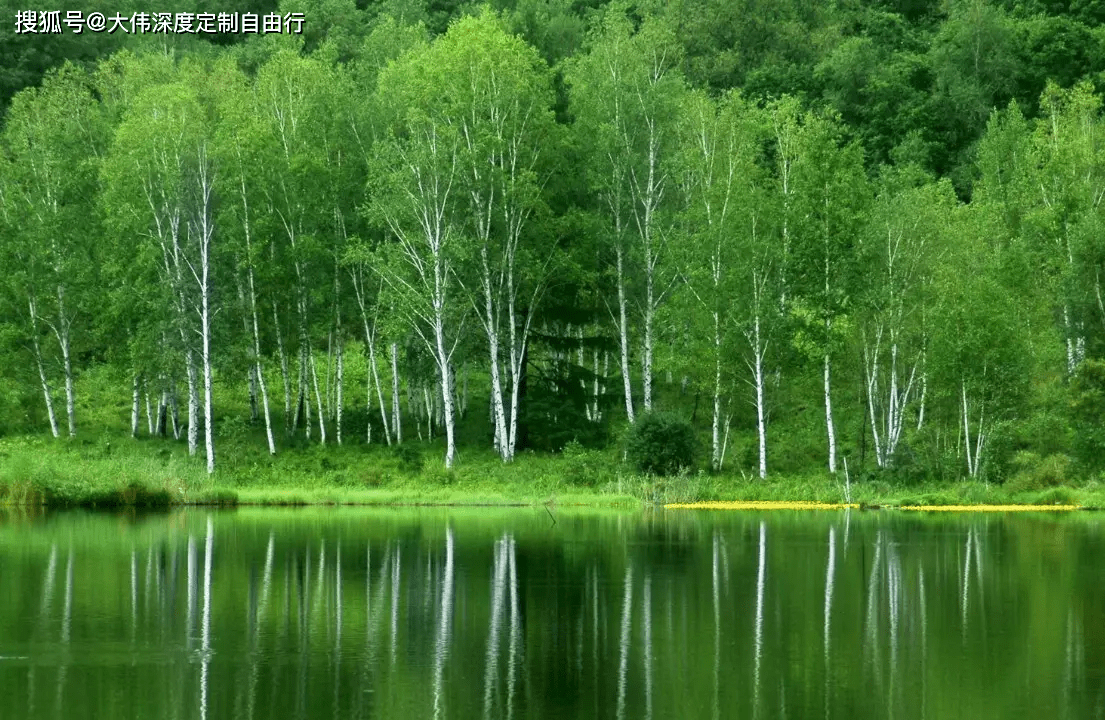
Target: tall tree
x,y
55,137
829,195
498,92
899,252
626,92
161,180
414,191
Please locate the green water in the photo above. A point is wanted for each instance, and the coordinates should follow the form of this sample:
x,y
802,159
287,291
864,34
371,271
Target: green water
x,y
530,614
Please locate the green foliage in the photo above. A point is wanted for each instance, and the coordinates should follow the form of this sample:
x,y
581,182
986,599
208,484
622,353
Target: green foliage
x,y
661,443
1032,472
1087,410
410,457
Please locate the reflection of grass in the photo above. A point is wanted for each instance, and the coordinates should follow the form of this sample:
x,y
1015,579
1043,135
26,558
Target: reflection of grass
x,y
746,505
991,508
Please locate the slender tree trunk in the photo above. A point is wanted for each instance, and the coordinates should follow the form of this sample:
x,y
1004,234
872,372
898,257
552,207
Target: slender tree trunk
x,y
193,400
318,398
208,370
373,374
623,334
464,392
62,331
338,391
396,418
758,351
289,428
491,326
259,369
446,391
301,390
175,415
134,411
149,414
162,411
831,429
41,368
715,428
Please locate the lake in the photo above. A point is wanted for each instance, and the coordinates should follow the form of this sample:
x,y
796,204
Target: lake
x,y
551,613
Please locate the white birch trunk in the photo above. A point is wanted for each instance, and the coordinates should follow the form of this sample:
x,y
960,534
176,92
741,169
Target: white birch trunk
x,y
490,320
284,372
318,397
62,332
134,411
831,429
41,368
374,373
259,368
193,400
446,392
206,231
623,335
396,418
715,427
338,390
758,351
149,415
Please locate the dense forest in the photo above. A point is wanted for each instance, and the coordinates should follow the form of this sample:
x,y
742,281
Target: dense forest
x,y
864,235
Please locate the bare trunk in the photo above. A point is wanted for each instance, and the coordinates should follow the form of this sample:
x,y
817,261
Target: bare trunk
x,y
62,332
285,375
149,414
134,411
42,369
396,418
208,370
829,416
193,401
758,378
318,398
175,414
258,367
446,392
623,336
338,391
646,355
715,428
491,327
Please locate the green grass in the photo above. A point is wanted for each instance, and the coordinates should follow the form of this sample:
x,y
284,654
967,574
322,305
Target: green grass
x,y
113,471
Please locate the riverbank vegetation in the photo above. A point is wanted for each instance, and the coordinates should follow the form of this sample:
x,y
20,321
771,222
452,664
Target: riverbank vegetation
x,y
456,253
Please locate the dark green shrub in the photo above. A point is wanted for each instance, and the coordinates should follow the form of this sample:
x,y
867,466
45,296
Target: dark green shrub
x,y
584,467
1087,409
661,443
409,456
1035,473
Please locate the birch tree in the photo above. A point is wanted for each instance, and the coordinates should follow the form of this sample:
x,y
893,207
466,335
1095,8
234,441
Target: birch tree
x,y
241,151
979,345
830,191
625,93
498,92
55,137
731,255
898,254
415,185
292,93
161,176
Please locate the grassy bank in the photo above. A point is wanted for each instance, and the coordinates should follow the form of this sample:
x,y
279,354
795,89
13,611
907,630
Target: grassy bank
x,y
119,471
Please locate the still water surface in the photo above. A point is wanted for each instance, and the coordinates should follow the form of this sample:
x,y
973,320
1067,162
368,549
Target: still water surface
x,y
519,614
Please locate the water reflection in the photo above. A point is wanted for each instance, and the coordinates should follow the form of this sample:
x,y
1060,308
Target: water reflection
x,y
456,615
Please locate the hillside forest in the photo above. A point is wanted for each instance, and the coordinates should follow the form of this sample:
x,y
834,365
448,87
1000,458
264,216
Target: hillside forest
x,y
862,235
